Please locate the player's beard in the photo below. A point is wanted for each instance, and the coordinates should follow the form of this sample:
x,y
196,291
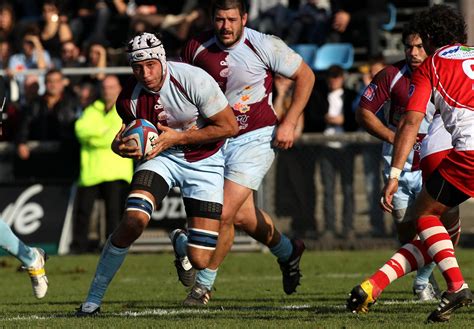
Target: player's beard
x,y
230,43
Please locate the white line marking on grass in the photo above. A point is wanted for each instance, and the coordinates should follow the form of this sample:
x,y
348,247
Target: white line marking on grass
x,y
158,312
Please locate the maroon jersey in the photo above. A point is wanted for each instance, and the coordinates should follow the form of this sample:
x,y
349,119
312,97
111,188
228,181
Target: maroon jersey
x,y
245,72
187,98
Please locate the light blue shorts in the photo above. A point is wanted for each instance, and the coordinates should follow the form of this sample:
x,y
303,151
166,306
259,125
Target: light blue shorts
x,y
201,180
409,186
249,156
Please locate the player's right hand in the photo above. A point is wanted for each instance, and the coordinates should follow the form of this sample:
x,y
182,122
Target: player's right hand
x,y
121,146
388,192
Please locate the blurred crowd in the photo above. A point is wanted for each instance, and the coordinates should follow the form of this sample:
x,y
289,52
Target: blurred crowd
x,y
52,35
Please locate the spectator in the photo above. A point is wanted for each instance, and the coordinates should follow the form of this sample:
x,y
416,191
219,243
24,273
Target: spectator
x,y
32,56
269,16
7,22
336,104
5,53
89,21
97,58
103,173
49,117
295,171
311,23
70,58
372,156
359,22
54,29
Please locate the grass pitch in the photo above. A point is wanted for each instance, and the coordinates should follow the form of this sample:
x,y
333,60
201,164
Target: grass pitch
x,y
146,293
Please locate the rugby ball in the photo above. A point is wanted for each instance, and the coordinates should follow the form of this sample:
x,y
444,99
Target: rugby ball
x,y
143,133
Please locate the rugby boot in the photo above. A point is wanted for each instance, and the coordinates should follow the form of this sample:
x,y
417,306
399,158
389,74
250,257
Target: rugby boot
x,y
87,309
361,298
291,268
198,296
451,301
184,268
37,273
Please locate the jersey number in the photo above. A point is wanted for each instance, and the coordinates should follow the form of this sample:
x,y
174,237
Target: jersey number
x,y
467,68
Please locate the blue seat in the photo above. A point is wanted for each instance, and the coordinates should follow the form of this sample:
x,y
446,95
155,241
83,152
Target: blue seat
x,y
341,54
306,50
392,14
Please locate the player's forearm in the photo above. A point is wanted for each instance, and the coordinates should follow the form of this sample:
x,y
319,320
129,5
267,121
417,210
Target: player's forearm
x,y
208,134
374,126
405,138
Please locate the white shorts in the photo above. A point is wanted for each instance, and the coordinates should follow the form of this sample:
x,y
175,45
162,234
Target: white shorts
x,y
249,156
409,186
201,180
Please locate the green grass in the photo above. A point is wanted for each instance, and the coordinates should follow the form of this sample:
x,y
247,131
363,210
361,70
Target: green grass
x,y
146,293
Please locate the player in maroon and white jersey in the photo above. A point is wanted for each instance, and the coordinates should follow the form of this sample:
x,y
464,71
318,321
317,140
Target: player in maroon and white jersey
x,y
194,118
243,62
447,77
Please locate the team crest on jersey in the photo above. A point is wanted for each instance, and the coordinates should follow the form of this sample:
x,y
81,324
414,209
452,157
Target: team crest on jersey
x,y
242,108
411,90
369,92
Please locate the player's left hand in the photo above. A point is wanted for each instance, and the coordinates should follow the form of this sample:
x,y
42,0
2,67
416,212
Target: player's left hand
x,y
284,136
168,138
388,192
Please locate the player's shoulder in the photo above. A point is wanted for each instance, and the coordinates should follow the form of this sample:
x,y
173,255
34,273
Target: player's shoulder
x,y
389,72
180,68
187,74
259,39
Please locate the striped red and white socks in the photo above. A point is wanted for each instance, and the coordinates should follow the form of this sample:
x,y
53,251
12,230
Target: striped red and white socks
x,y
439,246
410,257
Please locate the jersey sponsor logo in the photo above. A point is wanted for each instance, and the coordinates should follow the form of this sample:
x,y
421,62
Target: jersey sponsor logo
x,y
457,52
411,90
369,92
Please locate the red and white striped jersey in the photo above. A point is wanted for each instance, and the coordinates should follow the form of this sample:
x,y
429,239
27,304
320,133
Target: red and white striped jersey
x,y
448,77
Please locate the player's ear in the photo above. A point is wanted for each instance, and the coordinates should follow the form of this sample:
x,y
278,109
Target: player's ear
x,y
244,19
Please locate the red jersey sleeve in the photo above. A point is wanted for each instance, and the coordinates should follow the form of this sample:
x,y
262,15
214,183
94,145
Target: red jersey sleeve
x,y
420,89
377,92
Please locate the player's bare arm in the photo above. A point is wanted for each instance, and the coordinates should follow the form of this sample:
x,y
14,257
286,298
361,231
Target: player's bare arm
x,y
304,81
119,146
405,138
220,126
373,125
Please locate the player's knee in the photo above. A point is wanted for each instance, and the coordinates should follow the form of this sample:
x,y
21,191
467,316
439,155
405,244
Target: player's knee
x,y
201,246
238,220
199,259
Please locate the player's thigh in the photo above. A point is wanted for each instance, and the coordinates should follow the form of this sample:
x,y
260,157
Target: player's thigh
x,y
239,205
248,157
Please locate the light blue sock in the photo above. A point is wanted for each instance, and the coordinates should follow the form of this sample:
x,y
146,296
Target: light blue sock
x,y
109,263
206,277
181,245
14,246
423,274
283,249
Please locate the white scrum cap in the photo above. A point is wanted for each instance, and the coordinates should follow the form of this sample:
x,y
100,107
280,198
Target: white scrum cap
x,y
146,46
